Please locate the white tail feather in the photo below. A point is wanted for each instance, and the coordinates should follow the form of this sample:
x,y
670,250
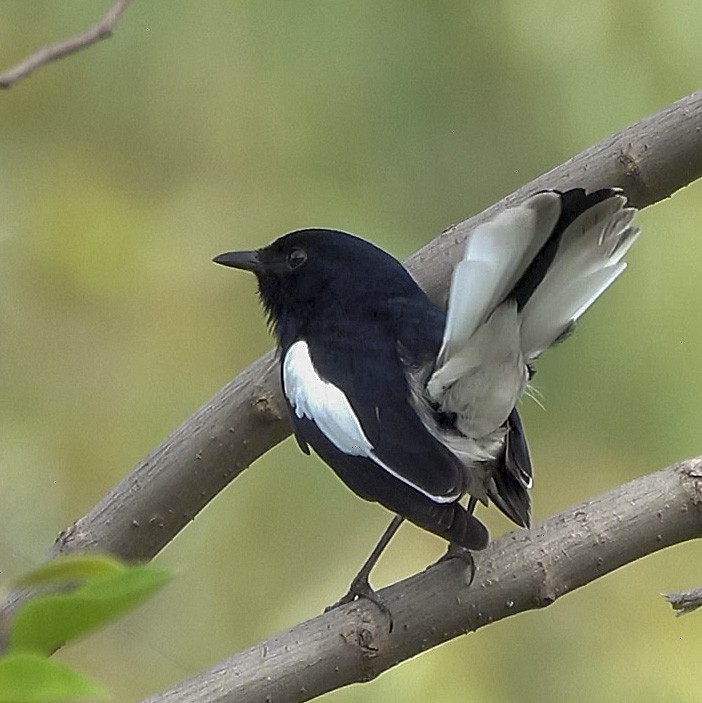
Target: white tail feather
x,y
588,260
497,254
481,369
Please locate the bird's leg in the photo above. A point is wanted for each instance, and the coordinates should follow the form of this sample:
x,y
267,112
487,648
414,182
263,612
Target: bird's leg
x,y
455,551
360,586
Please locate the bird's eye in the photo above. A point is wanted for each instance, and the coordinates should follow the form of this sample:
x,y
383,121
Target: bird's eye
x,y
296,257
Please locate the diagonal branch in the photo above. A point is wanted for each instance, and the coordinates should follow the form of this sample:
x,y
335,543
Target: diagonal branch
x,y
137,518
520,571
102,29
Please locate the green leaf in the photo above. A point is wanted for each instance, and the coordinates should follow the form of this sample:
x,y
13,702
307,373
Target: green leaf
x,y
74,567
30,678
44,623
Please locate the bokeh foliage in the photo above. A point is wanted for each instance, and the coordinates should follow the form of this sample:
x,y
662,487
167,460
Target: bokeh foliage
x,y
201,127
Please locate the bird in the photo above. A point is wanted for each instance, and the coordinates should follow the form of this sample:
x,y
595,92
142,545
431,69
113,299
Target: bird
x,y
414,404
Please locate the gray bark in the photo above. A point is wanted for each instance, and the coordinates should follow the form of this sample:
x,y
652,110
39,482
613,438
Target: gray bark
x,y
520,571
137,518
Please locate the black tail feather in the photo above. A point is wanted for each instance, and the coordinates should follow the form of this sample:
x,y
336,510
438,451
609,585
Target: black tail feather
x,y
511,479
573,203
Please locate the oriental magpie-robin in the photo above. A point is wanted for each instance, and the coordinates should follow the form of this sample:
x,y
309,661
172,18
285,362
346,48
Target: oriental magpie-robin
x,y
414,407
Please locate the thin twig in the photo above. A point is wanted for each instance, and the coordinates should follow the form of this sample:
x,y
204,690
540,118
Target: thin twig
x,y
684,602
52,52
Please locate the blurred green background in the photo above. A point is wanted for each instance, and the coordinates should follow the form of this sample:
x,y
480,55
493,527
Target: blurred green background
x,y
202,127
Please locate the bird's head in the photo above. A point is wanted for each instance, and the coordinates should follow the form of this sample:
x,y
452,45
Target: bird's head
x,y
313,269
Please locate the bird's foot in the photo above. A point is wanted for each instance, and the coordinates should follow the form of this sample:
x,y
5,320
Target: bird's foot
x,y
361,588
455,551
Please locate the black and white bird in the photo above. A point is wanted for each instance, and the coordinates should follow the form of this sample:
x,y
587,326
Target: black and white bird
x,y
415,407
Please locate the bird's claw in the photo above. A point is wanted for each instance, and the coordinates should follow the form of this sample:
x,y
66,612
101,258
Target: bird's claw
x,y
361,588
454,551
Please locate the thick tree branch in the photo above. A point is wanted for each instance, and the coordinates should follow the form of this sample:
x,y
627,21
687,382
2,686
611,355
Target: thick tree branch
x,y
102,29
138,517
520,571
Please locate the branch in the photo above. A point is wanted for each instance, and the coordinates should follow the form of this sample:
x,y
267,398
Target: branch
x,y
684,602
520,571
53,52
137,518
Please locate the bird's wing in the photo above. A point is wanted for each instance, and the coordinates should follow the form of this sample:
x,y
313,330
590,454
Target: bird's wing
x,y
371,419
362,475
380,449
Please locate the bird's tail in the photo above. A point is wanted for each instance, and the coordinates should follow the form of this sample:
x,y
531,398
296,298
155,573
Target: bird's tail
x,y
511,476
526,278
580,260
553,256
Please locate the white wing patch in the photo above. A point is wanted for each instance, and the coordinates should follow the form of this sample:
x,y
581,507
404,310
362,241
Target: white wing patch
x,y
328,407
316,399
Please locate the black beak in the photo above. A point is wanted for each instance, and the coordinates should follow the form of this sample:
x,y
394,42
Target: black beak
x,y
246,260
